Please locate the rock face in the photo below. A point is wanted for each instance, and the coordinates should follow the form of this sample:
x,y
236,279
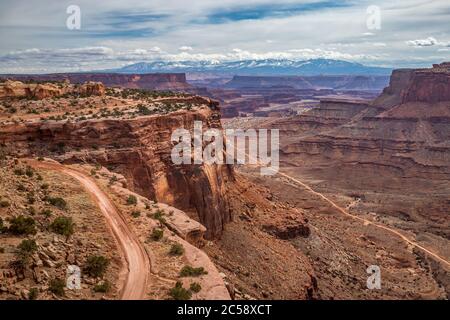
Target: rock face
x,y
406,129
19,90
168,81
140,149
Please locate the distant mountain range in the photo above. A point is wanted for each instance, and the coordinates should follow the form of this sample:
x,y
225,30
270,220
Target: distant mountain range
x,y
257,67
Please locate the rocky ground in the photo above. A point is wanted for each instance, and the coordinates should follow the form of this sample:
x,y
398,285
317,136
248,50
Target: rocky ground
x,y
32,202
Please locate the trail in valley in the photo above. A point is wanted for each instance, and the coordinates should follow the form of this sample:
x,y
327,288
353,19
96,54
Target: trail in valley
x,y
138,265
361,219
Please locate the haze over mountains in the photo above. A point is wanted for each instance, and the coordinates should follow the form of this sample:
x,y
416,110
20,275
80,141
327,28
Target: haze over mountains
x,y
257,67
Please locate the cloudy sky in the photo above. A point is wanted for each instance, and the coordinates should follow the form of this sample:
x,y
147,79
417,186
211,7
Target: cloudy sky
x,y
35,37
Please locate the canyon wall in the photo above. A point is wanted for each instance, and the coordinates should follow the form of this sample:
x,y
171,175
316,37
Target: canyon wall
x,y
406,130
140,149
154,81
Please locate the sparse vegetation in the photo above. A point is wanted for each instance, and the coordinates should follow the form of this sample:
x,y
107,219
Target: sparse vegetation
x,y
58,202
56,286
96,266
136,214
27,246
63,226
131,200
22,225
195,287
33,295
180,293
103,287
189,271
159,215
4,203
176,249
157,234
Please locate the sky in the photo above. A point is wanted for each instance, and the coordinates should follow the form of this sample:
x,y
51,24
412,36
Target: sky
x,y
35,37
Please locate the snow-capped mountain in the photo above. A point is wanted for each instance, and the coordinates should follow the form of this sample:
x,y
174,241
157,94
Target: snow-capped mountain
x,y
258,67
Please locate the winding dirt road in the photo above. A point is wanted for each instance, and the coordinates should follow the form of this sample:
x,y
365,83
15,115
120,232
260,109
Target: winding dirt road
x,y
138,264
363,220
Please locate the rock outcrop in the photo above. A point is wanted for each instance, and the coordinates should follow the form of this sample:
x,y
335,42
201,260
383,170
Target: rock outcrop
x,y
406,129
39,91
140,149
168,81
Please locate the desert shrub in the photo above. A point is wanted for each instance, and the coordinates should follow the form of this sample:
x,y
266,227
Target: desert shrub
x,y
31,210
22,225
113,180
27,246
58,202
2,250
29,172
45,186
46,212
157,234
56,286
189,271
136,214
195,287
63,226
131,200
21,188
33,295
19,172
96,266
30,198
176,249
180,293
159,215
103,287
4,203
2,227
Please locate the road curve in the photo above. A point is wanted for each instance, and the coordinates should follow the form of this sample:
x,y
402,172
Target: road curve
x,y
138,264
432,254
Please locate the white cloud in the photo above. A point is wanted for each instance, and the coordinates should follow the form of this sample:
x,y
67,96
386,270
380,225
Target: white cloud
x,y
185,48
428,42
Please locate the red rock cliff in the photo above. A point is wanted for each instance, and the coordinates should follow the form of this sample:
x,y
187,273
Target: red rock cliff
x,y
140,149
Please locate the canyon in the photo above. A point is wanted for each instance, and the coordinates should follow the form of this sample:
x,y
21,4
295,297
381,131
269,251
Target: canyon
x,y
363,177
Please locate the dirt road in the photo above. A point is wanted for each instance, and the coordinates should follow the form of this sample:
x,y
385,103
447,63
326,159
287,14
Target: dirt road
x,y
138,264
397,233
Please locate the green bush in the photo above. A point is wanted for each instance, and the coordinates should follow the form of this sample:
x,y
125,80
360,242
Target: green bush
x,y
180,293
19,172
159,215
176,249
22,225
131,200
189,271
136,214
46,212
103,287
4,204
56,286
195,287
45,186
157,234
33,295
96,266
29,172
58,202
63,226
27,246
31,210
